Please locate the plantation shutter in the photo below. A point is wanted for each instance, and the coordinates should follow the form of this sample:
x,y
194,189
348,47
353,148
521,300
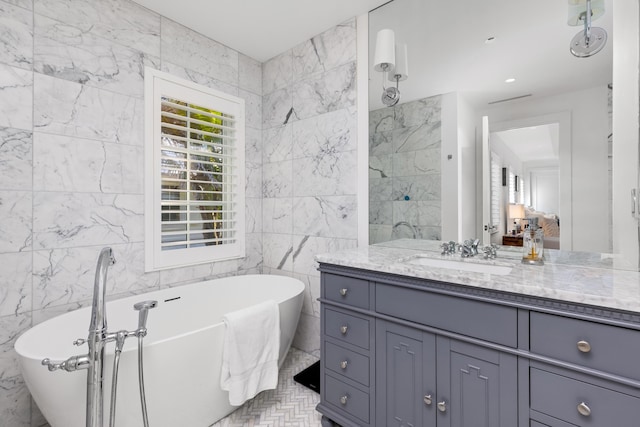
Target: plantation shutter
x,y
198,164
496,189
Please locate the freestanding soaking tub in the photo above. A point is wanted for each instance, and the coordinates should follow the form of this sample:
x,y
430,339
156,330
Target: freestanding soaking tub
x,y
182,352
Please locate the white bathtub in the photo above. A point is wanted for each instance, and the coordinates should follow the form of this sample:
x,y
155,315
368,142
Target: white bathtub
x,y
182,352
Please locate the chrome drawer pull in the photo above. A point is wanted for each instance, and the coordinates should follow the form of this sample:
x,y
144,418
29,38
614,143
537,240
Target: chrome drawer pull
x,y
442,406
584,410
343,399
343,330
343,292
343,364
584,346
427,400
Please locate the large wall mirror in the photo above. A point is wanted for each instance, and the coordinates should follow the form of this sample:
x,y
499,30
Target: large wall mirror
x,y
497,121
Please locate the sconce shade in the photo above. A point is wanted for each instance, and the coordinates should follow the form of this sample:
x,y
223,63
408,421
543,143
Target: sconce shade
x,y
578,7
401,71
385,55
516,211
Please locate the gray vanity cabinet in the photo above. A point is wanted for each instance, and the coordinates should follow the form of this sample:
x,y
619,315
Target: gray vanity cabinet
x,y
429,380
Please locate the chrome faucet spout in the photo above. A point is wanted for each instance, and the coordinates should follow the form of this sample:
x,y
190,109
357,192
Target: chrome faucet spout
x,y
98,312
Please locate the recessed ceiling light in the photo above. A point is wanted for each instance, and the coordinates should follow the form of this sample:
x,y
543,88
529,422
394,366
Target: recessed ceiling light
x,y
489,40
510,80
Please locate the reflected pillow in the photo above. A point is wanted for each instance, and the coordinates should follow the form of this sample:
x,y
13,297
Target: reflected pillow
x,y
549,226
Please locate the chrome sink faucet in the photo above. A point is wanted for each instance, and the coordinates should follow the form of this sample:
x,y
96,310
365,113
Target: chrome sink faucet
x,y
469,248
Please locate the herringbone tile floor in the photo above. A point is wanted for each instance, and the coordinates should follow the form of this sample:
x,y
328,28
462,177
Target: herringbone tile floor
x,y
289,405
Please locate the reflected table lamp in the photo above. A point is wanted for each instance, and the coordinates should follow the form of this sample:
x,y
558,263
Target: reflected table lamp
x,y
515,213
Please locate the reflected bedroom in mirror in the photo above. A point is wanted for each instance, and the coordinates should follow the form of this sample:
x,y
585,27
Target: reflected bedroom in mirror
x,y
477,127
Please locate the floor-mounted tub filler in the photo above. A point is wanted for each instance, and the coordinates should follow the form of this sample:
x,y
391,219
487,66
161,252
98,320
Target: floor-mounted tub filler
x,y
182,352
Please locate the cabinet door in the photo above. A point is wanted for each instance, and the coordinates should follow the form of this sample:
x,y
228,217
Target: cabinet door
x,y
476,386
405,376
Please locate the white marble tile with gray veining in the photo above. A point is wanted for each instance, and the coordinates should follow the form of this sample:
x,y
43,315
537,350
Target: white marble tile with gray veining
x,y
326,134
253,179
16,97
64,220
421,162
185,275
429,233
277,179
277,144
327,216
418,213
64,51
253,215
277,215
15,405
305,248
15,228
25,4
307,337
66,276
252,108
380,167
380,189
63,163
253,258
421,137
421,187
334,47
381,120
277,251
329,174
16,36
277,73
16,154
310,303
122,21
380,213
253,145
381,144
181,45
249,74
15,276
379,233
199,78
414,113
67,108
325,92
277,108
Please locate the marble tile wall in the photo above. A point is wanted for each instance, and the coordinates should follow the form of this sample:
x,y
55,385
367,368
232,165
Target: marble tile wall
x,y
309,163
71,158
404,171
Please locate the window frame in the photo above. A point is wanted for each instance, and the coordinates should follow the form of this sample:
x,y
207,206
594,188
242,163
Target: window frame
x,y
159,84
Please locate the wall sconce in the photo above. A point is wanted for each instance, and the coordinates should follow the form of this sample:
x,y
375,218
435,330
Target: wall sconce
x,y
391,60
591,40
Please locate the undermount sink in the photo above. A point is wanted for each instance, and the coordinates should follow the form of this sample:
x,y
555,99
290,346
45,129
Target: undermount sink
x,y
461,265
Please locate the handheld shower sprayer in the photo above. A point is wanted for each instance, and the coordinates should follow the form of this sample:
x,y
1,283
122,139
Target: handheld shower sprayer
x,y
143,307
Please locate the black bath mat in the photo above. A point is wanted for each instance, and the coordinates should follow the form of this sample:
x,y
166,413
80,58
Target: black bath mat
x,y
310,377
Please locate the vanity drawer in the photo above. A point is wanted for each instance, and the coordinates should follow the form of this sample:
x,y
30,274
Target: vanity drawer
x,y
346,327
581,403
585,343
485,321
346,290
347,398
346,362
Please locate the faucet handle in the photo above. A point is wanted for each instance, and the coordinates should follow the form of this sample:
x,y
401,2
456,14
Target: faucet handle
x,y
73,363
490,251
79,342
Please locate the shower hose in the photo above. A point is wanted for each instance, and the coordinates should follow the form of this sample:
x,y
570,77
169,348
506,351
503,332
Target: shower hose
x,y
114,381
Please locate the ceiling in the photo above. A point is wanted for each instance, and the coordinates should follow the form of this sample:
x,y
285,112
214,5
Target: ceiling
x,y
532,144
447,50
260,29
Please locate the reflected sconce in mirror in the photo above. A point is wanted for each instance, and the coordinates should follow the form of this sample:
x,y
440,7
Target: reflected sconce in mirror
x,y
590,40
391,60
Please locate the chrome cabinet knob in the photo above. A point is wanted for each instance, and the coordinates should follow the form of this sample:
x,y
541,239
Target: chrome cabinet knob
x,y
442,406
344,399
343,364
344,291
584,410
343,330
584,346
427,399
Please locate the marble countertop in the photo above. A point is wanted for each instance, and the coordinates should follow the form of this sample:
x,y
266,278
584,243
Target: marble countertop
x,y
602,280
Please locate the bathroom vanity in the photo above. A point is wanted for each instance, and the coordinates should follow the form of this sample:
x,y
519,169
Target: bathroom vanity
x,y
410,345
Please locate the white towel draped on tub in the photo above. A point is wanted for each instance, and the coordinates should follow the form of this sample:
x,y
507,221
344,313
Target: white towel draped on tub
x,y
250,353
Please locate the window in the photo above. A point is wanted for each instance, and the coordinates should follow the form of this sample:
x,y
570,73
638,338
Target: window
x,y
194,165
